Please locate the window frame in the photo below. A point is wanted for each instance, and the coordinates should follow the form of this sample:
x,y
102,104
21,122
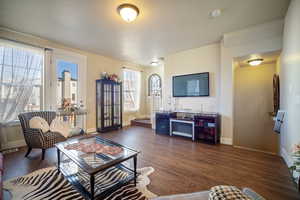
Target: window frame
x,y
137,90
150,85
33,49
52,79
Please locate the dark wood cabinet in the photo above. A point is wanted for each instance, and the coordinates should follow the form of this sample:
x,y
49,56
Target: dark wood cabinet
x,y
108,105
198,126
207,127
162,121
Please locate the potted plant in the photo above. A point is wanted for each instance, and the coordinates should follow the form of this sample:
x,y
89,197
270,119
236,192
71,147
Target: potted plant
x,y
295,168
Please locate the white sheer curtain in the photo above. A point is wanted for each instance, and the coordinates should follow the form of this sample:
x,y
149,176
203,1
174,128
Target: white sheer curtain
x,y
131,89
20,79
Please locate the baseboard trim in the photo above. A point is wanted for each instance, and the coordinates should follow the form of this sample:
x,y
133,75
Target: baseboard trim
x,y
257,150
13,144
91,130
286,157
225,140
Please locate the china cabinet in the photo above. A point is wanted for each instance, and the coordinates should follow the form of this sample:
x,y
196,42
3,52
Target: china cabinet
x,y
108,105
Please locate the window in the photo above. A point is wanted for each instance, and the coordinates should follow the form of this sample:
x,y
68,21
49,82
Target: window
x,y
67,76
131,85
21,87
154,85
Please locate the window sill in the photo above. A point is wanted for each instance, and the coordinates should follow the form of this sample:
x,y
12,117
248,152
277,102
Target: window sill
x,y
11,123
130,111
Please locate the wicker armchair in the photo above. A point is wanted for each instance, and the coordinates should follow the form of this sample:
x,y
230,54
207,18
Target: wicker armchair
x,y
35,138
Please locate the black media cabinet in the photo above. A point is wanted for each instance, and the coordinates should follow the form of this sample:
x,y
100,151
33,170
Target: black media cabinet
x,y
197,126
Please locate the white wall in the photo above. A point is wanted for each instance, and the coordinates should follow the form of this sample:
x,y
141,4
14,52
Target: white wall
x,y
203,59
290,80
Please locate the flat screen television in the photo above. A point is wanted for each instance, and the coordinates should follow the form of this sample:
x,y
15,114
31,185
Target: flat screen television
x,y
191,85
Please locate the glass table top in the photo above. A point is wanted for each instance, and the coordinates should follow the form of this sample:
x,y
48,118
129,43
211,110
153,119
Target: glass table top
x,y
94,153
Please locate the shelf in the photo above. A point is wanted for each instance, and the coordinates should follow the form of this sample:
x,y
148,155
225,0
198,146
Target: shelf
x,y
81,180
182,134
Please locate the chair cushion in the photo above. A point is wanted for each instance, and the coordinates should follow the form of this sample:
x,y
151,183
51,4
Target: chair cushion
x,y
39,123
52,138
223,192
62,127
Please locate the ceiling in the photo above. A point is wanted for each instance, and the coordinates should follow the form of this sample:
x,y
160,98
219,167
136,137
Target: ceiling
x,y
162,28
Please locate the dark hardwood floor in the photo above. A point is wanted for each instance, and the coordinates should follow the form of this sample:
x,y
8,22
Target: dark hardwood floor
x,y
183,166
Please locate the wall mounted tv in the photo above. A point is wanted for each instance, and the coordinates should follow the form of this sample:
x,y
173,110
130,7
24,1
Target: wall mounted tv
x,y
191,85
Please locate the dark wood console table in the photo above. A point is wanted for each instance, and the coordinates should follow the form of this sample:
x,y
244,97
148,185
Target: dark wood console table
x,y
197,126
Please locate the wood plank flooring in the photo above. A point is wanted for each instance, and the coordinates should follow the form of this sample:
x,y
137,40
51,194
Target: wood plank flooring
x,y
183,166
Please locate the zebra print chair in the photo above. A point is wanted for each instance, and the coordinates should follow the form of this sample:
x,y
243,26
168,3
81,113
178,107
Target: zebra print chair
x,y
35,138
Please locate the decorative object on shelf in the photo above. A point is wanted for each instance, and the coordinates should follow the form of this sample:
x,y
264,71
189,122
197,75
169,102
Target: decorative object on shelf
x,y
295,168
108,104
112,77
69,112
67,106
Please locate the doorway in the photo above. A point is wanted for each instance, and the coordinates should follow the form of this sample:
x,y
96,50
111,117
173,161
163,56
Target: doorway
x,y
254,104
66,86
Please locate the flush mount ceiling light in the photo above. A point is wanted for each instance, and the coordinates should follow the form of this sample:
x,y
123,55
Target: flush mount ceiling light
x,y
128,12
154,63
255,62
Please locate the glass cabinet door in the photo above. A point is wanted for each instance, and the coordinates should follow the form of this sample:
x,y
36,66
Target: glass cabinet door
x,y
98,93
117,104
107,103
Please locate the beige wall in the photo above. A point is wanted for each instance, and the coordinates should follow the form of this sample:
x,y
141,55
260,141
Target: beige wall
x,y
95,65
203,59
218,59
253,100
215,58
290,81
257,39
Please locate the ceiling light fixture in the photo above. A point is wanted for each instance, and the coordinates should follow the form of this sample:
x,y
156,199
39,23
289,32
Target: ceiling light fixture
x,y
255,62
154,63
128,12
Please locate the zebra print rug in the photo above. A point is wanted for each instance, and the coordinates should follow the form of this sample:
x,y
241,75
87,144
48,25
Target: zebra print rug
x,y
48,184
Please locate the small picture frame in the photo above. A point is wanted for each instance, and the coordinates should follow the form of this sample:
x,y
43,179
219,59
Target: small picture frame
x,y
278,121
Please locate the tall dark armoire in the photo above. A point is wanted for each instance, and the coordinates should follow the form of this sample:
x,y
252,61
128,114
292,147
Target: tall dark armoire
x,y
108,105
